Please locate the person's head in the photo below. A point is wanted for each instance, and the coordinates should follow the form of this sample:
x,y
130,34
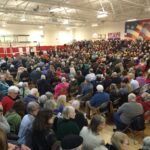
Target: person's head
x,y
63,79
42,99
145,96
61,100
91,70
43,120
120,141
72,142
97,124
131,97
87,79
34,91
114,74
33,108
69,112
50,105
125,80
76,104
43,77
19,107
113,86
20,84
38,69
49,95
2,77
3,140
146,143
99,88
25,84
131,76
13,91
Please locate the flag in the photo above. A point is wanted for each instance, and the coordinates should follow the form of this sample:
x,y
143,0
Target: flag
x,y
138,29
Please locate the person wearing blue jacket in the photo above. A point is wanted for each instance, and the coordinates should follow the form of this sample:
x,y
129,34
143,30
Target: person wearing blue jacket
x,y
99,98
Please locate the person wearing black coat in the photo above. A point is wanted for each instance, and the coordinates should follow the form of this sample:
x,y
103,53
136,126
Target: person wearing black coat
x,y
24,76
43,85
79,117
43,137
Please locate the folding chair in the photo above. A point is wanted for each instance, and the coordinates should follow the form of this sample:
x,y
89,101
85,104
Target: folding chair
x,y
137,124
103,109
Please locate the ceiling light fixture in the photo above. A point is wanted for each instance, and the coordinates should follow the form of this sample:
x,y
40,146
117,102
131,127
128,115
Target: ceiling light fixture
x,y
4,24
102,14
23,18
66,21
130,20
68,28
94,25
41,27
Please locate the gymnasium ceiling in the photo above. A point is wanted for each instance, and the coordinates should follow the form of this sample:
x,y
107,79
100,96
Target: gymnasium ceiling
x,y
71,12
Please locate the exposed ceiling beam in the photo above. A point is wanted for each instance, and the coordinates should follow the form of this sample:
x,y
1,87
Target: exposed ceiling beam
x,y
56,3
42,14
4,5
135,4
112,7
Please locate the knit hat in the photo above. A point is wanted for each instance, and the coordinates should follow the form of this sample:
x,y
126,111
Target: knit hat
x,y
71,141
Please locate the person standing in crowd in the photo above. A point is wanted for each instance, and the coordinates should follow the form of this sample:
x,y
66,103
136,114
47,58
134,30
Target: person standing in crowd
x,y
43,85
79,117
24,76
61,88
8,101
43,137
67,125
14,116
32,96
134,83
3,86
86,90
26,123
3,122
35,75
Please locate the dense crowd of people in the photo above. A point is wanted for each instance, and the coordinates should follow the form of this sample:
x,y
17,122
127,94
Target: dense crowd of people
x,y
48,101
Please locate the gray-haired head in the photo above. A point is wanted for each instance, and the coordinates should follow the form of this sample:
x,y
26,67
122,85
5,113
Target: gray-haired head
x,y
49,95
146,143
63,79
42,99
50,105
13,89
38,69
75,104
99,88
67,110
131,97
43,76
32,106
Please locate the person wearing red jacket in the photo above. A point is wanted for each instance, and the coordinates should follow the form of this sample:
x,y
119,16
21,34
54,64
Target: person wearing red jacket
x,y
8,101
